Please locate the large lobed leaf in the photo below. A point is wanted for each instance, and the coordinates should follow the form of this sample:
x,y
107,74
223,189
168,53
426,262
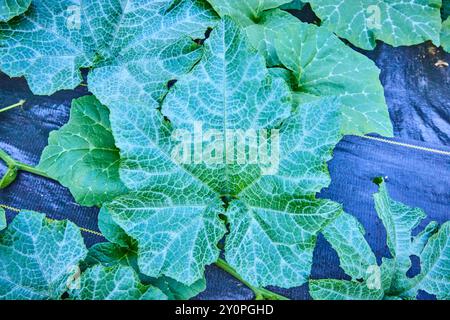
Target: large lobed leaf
x,y
396,22
54,39
173,209
390,280
12,8
435,265
82,155
320,65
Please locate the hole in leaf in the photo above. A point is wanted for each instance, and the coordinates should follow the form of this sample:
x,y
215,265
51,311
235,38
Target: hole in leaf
x,y
415,267
171,83
207,34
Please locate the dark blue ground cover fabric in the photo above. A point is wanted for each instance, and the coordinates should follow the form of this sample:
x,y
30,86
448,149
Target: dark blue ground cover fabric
x,y
418,97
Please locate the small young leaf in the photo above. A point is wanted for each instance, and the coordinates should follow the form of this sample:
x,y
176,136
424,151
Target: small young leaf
x,y
82,155
38,257
178,291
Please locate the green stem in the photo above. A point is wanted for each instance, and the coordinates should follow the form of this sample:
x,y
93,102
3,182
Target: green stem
x,y
30,169
260,293
14,166
18,104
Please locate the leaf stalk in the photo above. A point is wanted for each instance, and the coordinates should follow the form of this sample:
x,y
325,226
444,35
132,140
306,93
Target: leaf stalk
x,y
260,293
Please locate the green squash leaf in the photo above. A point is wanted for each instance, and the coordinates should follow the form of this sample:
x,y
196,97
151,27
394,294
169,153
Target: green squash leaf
x,y
329,289
38,257
173,209
445,35
322,65
419,241
177,230
398,22
111,231
445,10
12,8
272,240
2,219
82,155
435,265
113,283
390,280
176,290
110,254
57,38
399,221
262,34
293,5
